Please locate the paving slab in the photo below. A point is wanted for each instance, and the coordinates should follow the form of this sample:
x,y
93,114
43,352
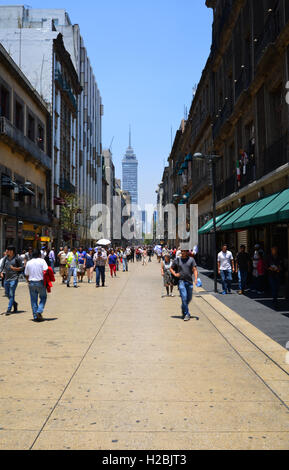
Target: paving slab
x,y
117,368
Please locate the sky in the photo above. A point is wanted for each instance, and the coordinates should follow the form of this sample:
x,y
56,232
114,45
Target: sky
x,y
147,56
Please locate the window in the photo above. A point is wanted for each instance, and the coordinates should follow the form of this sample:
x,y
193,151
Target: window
x,y
40,136
4,101
19,116
31,127
6,185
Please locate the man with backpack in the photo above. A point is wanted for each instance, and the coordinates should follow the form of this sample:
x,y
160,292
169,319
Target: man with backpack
x,y
183,269
12,265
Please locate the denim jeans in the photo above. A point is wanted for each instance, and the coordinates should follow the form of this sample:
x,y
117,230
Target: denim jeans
x,y
100,273
10,289
186,292
124,264
242,276
37,289
226,277
72,272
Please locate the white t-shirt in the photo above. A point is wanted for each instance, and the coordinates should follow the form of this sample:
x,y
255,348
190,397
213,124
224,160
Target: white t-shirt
x,y
34,269
225,260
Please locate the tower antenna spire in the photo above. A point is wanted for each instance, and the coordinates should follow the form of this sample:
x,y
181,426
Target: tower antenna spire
x,y
129,135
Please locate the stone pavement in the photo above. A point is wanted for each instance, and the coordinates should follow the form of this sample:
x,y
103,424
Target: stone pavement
x,y
117,368
256,309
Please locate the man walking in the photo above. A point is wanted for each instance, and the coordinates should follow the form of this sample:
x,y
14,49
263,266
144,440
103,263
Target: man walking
x,y
34,273
62,255
100,260
125,261
183,269
226,268
81,264
72,265
12,266
242,266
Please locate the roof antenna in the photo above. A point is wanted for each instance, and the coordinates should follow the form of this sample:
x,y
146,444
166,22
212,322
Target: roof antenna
x,y
129,136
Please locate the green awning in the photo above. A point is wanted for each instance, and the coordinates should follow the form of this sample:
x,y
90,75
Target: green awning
x,y
270,209
209,225
248,218
276,211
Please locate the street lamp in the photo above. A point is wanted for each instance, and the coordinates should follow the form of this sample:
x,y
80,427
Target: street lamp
x,y
212,159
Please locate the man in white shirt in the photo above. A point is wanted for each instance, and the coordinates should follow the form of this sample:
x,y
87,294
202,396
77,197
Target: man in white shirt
x,y
226,268
34,275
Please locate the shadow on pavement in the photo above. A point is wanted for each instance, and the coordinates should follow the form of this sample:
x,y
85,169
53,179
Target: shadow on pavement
x,y
182,318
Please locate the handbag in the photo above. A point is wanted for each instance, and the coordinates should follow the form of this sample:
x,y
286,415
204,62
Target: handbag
x,y
175,280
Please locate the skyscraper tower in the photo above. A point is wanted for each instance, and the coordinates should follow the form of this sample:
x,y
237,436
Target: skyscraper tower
x,y
130,172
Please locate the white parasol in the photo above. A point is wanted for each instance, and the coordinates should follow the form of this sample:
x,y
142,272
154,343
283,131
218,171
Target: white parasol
x,y
104,242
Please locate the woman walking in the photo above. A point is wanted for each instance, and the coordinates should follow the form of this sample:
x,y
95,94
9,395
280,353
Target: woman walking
x,y
112,260
89,265
166,273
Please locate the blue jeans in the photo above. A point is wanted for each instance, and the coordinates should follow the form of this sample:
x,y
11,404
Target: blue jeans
x,y
10,289
242,276
124,264
37,289
100,272
186,292
226,277
72,272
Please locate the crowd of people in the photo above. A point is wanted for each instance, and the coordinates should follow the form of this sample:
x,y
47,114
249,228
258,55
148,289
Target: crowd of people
x,y
257,272
178,268
39,266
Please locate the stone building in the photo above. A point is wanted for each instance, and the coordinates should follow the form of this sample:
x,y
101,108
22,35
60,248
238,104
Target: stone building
x,y
25,160
240,112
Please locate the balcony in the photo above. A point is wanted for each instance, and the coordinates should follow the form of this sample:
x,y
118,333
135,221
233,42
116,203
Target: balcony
x,y
25,211
66,186
276,155
15,138
66,89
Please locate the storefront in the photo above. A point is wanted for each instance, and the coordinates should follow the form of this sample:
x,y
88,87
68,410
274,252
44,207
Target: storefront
x,y
265,221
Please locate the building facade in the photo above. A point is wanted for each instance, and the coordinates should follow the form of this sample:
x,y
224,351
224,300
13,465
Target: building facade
x,y
25,160
239,112
130,173
62,74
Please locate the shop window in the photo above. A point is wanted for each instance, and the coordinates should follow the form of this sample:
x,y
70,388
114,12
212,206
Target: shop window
x,y
31,127
4,101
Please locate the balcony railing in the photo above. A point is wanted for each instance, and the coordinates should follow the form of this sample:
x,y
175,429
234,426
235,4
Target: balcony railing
x,y
16,137
25,211
66,88
276,155
66,186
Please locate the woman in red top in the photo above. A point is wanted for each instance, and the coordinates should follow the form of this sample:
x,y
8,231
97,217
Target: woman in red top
x,y
261,269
